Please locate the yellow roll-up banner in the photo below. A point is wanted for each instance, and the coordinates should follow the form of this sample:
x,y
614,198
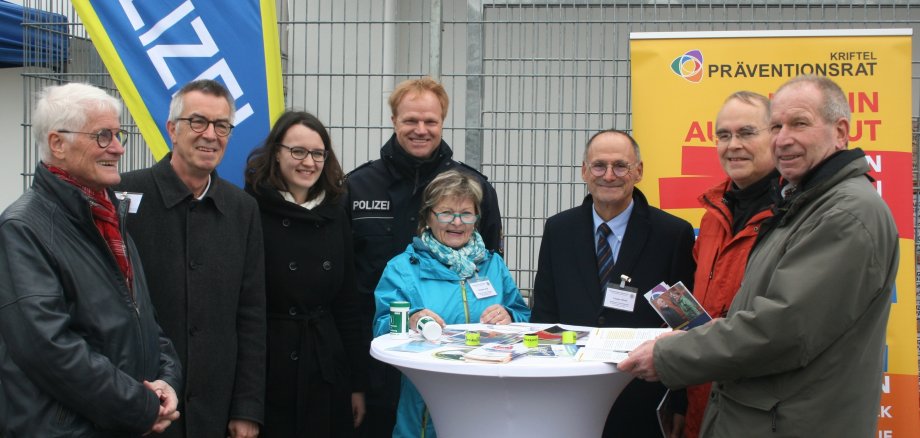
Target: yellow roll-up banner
x,y
679,82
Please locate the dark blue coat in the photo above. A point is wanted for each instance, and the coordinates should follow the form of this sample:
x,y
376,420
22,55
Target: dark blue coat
x,y
657,247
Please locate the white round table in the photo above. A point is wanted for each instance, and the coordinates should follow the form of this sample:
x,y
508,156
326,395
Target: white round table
x,y
527,397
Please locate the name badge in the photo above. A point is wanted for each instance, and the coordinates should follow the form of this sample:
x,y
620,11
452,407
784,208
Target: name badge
x,y
620,297
482,288
134,200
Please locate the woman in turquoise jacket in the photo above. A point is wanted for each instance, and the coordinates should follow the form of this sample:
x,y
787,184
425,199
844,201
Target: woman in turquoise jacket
x,y
446,273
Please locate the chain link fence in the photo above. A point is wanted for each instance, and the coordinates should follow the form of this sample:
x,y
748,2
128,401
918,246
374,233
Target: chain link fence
x,y
529,80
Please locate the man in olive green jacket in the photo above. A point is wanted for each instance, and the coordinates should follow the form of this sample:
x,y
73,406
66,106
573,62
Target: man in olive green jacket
x,y
800,352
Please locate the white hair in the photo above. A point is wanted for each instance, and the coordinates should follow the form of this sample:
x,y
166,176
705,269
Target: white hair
x,y
66,107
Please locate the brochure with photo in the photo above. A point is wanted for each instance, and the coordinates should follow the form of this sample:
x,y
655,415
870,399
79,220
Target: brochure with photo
x,y
455,353
553,335
564,350
542,351
677,306
494,336
495,353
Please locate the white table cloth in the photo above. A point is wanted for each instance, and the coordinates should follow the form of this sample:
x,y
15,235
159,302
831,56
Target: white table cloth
x,y
527,397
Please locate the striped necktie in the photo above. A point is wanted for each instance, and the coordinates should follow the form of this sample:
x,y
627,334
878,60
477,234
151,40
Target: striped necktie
x,y
604,256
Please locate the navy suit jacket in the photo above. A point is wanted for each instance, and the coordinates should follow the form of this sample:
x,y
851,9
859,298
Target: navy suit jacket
x,y
657,247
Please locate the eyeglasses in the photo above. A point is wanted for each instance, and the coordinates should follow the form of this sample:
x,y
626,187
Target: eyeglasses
x,y
743,135
200,124
620,169
103,137
446,217
299,153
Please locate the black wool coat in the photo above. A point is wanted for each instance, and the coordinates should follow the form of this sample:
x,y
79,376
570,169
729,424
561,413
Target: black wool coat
x,y
205,266
318,342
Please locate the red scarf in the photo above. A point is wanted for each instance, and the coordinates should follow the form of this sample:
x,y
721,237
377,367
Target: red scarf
x,y
106,221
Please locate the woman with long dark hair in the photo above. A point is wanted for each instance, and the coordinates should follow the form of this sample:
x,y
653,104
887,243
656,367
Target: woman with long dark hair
x,y
317,342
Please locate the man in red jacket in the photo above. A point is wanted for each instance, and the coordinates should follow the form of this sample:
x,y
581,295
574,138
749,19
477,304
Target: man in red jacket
x,y
735,209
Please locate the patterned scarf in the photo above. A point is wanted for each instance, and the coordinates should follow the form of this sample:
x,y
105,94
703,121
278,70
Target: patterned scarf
x,y
105,219
462,261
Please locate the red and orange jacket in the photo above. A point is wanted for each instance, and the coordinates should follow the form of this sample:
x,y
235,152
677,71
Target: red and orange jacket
x,y
720,260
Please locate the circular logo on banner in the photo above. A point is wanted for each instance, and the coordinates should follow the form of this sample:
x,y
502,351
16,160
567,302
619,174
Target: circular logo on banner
x,y
689,66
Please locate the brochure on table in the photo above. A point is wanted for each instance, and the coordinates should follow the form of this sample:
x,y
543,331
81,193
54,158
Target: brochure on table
x,y
501,344
498,344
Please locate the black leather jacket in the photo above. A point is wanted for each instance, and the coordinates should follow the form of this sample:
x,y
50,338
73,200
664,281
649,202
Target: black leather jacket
x,y
75,343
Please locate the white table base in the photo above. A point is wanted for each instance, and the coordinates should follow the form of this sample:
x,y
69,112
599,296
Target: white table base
x,y
464,406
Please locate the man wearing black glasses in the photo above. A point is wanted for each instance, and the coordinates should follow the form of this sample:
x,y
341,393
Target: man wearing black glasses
x,y
200,239
736,209
587,250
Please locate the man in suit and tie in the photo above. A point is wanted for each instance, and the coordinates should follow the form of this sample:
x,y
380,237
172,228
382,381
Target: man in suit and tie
x,y
585,251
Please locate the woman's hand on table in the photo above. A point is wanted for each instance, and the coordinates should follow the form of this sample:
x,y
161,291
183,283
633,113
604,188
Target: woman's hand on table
x,y
413,320
495,314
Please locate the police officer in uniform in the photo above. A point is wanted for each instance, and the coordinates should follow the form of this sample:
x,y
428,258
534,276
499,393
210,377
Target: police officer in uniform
x,y
383,202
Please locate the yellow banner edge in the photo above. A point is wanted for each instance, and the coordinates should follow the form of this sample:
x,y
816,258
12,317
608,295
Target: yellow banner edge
x,y
129,94
272,51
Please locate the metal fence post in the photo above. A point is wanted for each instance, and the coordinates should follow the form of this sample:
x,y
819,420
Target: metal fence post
x,y
434,48
474,70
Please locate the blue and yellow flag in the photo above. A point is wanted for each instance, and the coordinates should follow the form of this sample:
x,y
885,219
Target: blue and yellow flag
x,y
153,48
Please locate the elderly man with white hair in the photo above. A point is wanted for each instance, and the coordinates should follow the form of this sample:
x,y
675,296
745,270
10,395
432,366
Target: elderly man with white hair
x,y
81,353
